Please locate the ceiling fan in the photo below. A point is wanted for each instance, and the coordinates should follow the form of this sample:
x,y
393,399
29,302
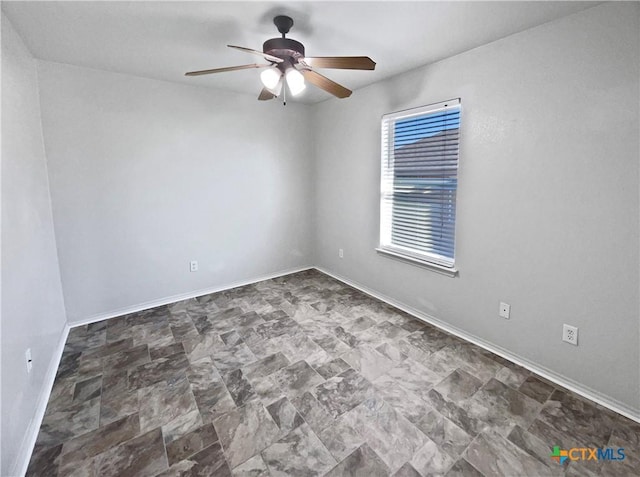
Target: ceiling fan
x,y
288,63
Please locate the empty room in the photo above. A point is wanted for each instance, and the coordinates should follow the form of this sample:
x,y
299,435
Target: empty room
x,y
320,238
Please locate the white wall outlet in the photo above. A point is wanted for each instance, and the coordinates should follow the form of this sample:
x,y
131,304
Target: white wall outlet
x,y
28,359
340,253
193,265
570,334
505,310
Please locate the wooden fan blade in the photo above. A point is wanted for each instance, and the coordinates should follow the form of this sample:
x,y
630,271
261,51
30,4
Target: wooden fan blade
x,y
256,52
326,84
342,62
222,70
265,95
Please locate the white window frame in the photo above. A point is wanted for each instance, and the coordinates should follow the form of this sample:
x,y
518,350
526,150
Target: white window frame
x,y
431,260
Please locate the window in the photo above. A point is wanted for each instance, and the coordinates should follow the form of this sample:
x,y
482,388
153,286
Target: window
x,y
419,182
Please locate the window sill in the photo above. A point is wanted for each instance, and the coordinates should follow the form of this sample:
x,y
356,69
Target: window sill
x,y
450,272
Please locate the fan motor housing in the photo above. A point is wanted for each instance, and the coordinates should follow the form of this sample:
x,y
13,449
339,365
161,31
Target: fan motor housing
x,y
284,47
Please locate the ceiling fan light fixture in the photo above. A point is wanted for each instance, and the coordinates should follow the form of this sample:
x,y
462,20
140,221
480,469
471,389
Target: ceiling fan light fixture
x,y
270,78
295,81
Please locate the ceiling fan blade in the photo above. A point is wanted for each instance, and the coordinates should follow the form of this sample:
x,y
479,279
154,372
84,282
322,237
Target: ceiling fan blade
x,y
342,62
256,52
326,84
265,95
222,70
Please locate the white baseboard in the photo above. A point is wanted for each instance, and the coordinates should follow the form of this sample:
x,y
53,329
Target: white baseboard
x,y
29,441
183,296
582,390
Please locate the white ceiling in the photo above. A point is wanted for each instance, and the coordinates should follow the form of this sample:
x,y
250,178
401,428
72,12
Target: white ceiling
x,y
163,40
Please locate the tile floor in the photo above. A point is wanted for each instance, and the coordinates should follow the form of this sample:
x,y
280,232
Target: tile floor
x,y
305,376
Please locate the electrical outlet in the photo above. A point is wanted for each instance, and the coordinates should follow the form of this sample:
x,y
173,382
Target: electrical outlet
x,y
27,357
570,334
193,265
340,253
505,310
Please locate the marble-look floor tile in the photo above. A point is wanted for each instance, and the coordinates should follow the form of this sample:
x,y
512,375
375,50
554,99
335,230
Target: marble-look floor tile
x,y
458,386
231,338
404,401
502,407
117,399
381,333
165,351
299,347
184,330
332,368
432,460
462,468
69,422
535,447
254,467
202,346
407,470
548,433
88,389
346,337
448,436
154,335
361,462
81,339
239,387
536,389
392,352
307,370
359,324
191,443
493,455
209,461
162,369
266,389
163,402
368,362
245,431
277,327
285,415
143,455
455,413
340,439
127,359
44,461
69,364
512,376
202,374
297,378
100,440
299,453
386,431
415,377
577,417
343,392
232,357
107,349
331,344
266,366
314,413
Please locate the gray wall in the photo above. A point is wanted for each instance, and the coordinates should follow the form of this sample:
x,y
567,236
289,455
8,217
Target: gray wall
x,y
33,314
548,195
147,175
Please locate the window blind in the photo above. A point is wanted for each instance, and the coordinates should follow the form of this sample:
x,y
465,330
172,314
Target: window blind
x,y
419,181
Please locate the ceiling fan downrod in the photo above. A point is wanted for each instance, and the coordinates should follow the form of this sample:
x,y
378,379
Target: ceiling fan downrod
x,y
283,23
